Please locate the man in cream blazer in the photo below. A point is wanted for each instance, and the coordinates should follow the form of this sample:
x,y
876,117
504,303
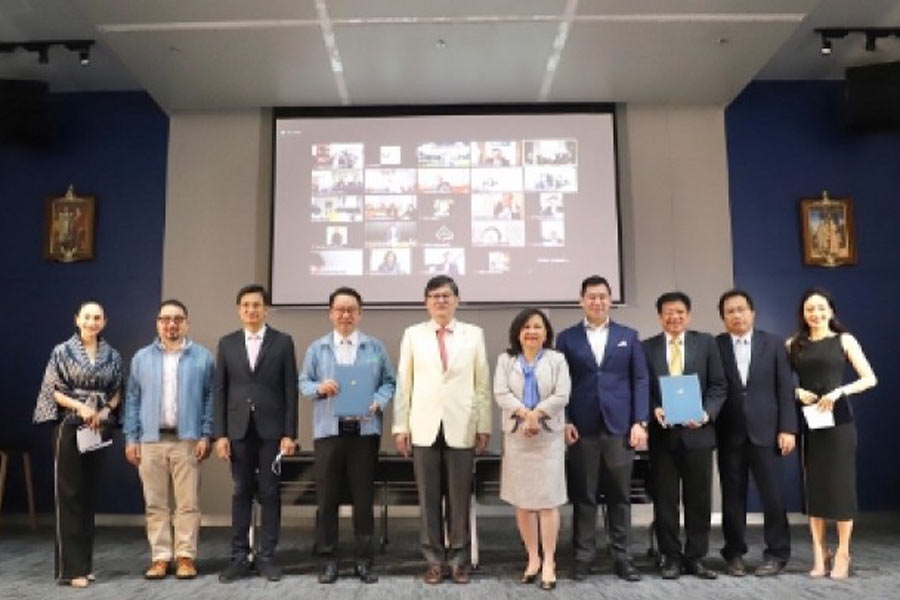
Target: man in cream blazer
x,y
442,415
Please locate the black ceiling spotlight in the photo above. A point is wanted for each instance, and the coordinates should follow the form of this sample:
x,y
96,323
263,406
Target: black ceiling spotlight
x,y
42,49
872,35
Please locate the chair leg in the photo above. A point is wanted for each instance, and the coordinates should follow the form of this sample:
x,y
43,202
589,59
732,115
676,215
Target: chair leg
x,y
29,489
4,462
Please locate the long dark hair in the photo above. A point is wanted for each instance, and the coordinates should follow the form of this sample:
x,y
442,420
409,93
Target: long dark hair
x,y
515,328
800,339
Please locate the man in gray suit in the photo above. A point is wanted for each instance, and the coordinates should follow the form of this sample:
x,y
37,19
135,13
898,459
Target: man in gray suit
x,y
255,418
755,428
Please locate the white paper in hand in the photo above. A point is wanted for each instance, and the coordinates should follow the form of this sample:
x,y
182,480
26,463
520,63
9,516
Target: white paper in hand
x,y
818,419
90,440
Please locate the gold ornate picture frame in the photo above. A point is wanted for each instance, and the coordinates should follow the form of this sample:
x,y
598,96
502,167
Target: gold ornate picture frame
x,y
70,224
828,235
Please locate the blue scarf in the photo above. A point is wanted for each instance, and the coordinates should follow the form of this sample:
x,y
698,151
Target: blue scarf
x,y
530,394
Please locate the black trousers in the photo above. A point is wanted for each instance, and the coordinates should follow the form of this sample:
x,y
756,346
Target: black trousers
x,y
432,464
600,463
736,462
75,477
674,470
252,475
349,460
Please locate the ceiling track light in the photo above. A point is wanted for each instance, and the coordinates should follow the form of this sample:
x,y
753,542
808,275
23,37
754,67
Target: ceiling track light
x,y
872,36
42,48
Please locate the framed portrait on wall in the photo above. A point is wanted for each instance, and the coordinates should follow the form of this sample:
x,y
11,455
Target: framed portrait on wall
x,y
69,229
828,236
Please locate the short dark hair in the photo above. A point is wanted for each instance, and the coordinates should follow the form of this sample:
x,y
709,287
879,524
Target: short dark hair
x,y
518,322
253,288
675,296
344,291
734,293
594,280
439,281
172,302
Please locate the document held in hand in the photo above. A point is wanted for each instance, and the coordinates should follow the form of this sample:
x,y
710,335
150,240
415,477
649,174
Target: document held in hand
x,y
681,398
356,387
89,440
817,419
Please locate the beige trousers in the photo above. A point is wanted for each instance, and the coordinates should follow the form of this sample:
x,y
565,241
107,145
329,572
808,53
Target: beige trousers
x,y
171,464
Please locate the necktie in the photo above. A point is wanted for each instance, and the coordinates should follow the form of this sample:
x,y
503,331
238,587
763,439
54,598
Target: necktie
x,y
675,366
442,347
742,358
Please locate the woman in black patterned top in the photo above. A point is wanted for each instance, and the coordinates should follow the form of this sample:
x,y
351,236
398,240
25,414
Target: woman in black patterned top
x,y
81,387
819,352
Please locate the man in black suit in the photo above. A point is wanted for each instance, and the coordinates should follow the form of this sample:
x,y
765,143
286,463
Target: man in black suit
x,y
255,419
756,426
681,455
606,419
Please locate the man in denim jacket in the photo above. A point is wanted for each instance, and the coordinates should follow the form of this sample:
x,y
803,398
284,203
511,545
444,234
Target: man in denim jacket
x,y
168,423
345,448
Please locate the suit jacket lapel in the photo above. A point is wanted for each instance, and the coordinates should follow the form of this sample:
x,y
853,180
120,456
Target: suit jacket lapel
x,y
658,355
690,352
757,346
266,344
729,360
612,339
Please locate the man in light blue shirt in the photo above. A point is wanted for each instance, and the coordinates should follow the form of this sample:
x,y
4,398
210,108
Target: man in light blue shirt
x,y
168,423
345,447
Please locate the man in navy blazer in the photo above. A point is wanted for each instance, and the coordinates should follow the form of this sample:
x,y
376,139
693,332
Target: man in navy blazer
x,y
681,455
255,401
755,428
606,419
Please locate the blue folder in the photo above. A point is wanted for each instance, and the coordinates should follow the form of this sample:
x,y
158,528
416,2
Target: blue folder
x,y
356,389
681,398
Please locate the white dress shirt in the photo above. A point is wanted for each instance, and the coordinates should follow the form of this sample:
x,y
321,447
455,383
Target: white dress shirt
x,y
742,345
169,404
254,343
597,337
345,348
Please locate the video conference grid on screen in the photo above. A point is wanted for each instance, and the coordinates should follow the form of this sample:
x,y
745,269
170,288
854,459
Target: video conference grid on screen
x,y
516,208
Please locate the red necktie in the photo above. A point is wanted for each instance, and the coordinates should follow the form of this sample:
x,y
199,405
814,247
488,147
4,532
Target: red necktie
x,y
441,336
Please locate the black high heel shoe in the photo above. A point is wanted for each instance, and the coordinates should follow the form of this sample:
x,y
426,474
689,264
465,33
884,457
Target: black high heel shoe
x,y
529,578
548,585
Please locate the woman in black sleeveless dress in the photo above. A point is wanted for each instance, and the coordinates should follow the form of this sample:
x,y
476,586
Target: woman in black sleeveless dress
x,y
819,351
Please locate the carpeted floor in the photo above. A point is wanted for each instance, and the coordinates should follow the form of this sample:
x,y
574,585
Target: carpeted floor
x,y
121,554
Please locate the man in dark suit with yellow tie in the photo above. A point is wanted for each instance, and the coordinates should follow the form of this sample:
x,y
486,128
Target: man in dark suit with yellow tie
x,y
255,418
756,427
681,455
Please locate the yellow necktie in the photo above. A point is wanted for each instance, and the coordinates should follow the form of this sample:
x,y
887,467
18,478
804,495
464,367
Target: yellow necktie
x,y
675,367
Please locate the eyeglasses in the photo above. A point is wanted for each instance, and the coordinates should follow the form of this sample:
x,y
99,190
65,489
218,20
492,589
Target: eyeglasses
x,y
344,311
441,297
178,320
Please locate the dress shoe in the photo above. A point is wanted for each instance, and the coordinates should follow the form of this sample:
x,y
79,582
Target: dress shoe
x,y
434,574
528,578
580,570
185,568
700,570
267,568
329,572
548,584
363,570
236,570
768,568
460,575
736,568
670,568
626,570
158,569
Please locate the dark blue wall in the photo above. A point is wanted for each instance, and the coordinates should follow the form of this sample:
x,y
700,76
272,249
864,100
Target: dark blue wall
x,y
112,146
786,141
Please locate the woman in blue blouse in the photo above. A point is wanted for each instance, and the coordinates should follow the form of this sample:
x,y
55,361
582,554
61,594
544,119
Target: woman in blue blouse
x,y
81,387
